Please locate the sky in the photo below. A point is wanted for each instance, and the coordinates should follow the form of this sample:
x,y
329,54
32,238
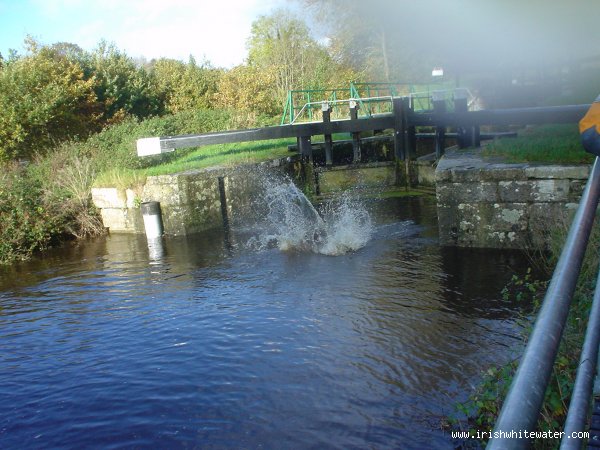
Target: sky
x,y
213,30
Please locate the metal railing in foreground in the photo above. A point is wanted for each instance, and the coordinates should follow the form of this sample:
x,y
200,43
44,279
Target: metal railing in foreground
x,y
523,403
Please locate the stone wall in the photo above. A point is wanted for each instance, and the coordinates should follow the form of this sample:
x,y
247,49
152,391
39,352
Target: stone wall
x,y
189,201
487,203
339,178
417,174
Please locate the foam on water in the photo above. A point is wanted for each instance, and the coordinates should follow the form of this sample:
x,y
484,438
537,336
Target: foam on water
x,y
291,222
348,226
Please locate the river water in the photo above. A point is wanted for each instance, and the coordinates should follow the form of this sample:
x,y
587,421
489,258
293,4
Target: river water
x,y
222,344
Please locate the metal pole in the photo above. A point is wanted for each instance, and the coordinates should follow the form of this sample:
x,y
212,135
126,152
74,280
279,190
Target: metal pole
x,y
522,405
152,216
399,128
582,391
439,106
328,141
355,135
464,132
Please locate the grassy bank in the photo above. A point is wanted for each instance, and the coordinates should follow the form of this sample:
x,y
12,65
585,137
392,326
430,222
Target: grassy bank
x,y
554,144
223,155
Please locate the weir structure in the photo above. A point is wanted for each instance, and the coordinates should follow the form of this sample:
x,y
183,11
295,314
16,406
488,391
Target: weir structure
x,y
522,406
403,120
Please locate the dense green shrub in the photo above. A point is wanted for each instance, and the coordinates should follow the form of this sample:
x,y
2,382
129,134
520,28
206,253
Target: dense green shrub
x,y
184,86
27,222
115,146
121,87
44,99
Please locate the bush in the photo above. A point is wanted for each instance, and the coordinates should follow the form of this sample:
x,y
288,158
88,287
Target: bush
x,y
185,86
45,99
115,146
27,223
66,178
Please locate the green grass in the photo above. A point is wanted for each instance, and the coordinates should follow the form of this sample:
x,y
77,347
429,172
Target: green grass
x,y
225,155
222,155
558,144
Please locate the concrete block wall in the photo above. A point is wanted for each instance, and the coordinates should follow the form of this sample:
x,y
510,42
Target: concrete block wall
x,y
189,201
483,203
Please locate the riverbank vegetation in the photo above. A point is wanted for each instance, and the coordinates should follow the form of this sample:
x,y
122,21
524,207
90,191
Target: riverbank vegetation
x,y
483,405
555,144
70,117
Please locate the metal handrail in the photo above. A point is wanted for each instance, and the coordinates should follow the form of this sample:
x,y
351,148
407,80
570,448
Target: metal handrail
x,y
582,390
523,403
335,102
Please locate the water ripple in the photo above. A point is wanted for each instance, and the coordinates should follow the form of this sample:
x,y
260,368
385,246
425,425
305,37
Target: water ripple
x,y
248,349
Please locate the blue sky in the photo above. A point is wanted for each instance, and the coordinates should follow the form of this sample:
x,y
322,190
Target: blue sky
x,y
215,30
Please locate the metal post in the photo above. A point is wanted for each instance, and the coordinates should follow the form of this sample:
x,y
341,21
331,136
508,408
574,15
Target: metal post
x,y
522,405
410,136
355,135
305,148
439,106
464,132
223,198
326,109
399,128
152,216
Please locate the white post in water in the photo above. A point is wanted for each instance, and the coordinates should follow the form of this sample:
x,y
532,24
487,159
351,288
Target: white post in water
x,y
152,220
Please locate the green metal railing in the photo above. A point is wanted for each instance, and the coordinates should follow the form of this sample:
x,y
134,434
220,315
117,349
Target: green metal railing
x,y
372,98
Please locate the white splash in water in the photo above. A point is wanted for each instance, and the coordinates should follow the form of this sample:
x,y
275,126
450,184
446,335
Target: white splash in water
x,y
291,222
348,226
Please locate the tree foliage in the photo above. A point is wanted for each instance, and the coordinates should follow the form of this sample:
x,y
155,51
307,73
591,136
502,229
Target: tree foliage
x,y
59,92
120,86
248,89
44,98
283,45
185,86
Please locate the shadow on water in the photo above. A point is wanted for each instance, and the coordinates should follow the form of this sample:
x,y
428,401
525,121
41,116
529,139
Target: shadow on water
x,y
213,343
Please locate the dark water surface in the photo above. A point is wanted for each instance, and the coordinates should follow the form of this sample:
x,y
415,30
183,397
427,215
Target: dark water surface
x,y
210,347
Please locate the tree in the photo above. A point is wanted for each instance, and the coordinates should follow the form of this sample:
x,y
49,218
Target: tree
x,y
185,86
120,86
248,89
282,44
44,99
